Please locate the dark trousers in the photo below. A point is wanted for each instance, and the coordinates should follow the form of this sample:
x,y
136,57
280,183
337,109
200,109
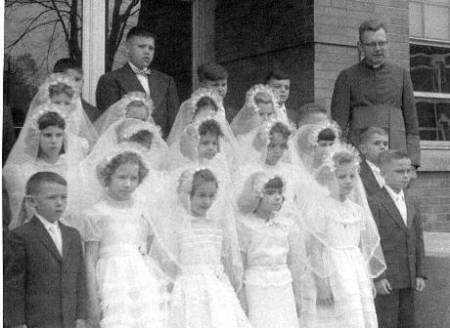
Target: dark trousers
x,y
396,310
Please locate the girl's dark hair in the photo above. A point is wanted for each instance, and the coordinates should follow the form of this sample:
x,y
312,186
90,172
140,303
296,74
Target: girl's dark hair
x,y
279,127
262,98
51,119
60,88
274,183
326,134
126,157
202,176
203,102
210,126
136,103
142,137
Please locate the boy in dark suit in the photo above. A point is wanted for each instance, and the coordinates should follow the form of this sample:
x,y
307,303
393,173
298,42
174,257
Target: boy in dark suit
x,y
374,141
137,76
44,273
399,223
280,82
73,69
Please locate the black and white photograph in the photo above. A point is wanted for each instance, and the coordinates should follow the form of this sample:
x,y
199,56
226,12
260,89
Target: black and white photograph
x,y
226,163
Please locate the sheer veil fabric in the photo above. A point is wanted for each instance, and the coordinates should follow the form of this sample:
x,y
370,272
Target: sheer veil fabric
x,y
24,161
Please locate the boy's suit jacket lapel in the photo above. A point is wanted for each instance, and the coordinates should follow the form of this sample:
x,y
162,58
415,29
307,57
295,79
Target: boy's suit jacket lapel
x,y
369,180
155,89
129,80
46,239
66,239
411,211
389,204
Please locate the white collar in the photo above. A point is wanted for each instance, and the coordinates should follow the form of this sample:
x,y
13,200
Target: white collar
x,y
136,69
47,224
395,195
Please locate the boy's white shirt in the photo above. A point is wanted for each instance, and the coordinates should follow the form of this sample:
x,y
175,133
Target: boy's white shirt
x,y
377,173
399,200
53,230
143,78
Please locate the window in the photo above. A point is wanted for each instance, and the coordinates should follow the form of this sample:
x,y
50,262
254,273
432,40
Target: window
x,y
430,67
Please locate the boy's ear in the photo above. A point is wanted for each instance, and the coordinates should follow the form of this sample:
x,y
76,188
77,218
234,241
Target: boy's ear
x,y
30,200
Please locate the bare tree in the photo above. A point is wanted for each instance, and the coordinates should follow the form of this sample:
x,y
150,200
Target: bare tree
x,y
65,16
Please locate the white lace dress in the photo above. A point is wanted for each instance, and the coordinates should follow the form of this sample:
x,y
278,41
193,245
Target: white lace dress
x,y
131,290
339,229
268,279
202,296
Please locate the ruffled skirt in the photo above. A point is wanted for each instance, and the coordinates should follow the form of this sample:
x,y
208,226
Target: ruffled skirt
x,y
352,292
130,291
203,297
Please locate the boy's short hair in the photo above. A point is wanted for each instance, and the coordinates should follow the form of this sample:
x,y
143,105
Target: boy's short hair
x,y
388,156
64,64
34,183
276,74
140,31
210,126
211,72
368,132
371,25
309,109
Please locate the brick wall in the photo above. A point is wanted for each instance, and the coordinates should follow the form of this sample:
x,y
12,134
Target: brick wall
x,y
254,36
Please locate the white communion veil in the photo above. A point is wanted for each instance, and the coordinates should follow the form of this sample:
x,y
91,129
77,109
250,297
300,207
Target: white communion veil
x,y
173,218
77,120
187,114
369,239
118,110
24,161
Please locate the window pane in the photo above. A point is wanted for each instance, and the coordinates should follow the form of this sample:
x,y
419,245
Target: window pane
x,y
430,68
436,22
434,118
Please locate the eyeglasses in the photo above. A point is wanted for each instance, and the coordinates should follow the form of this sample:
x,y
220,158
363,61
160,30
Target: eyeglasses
x,y
374,44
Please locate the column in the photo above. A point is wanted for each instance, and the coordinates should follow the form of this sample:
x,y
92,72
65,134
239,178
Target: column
x,y
93,45
203,16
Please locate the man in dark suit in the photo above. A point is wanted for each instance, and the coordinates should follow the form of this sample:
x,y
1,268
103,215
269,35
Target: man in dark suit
x,y
137,76
44,282
400,226
377,92
73,68
374,141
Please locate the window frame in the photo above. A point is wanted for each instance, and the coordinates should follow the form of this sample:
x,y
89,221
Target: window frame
x,y
435,153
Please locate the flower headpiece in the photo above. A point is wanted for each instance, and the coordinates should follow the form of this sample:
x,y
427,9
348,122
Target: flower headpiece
x,y
186,179
329,162
44,109
208,93
132,126
137,96
124,148
54,79
259,88
317,128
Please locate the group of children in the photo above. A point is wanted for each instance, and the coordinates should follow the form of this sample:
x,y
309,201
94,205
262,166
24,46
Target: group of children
x,y
256,223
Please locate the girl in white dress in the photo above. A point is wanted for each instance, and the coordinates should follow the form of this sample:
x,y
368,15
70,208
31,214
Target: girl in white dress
x,y
206,253
125,288
45,143
62,90
272,248
134,104
344,249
